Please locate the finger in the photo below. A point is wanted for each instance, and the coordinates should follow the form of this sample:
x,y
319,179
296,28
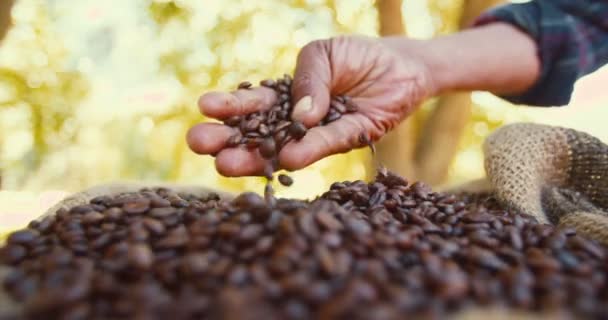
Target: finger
x,y
222,105
319,142
311,83
208,138
238,162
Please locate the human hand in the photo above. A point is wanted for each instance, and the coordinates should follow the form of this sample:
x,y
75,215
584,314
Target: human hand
x,y
385,85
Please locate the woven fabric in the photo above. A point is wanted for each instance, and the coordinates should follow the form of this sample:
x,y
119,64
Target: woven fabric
x,y
556,174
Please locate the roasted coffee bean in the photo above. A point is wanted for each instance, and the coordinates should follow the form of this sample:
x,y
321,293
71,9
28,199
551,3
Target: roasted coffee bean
x,y
268,83
234,140
297,130
350,107
285,180
338,106
154,226
360,251
12,254
140,256
249,200
244,85
268,148
160,213
24,237
233,121
92,217
253,125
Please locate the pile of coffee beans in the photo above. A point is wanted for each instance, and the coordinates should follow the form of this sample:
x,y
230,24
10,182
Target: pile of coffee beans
x,y
269,130
376,250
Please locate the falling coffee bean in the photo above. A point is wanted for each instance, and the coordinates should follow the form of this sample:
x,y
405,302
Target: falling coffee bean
x,y
285,180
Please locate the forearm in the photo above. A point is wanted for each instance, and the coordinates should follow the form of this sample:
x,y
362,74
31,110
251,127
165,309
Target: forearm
x,y
497,58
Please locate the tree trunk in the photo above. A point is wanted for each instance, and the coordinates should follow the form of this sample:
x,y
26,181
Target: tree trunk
x,y
391,19
5,16
396,149
440,136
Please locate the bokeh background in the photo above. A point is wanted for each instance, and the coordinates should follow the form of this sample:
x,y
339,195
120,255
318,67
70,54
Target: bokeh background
x,y
97,91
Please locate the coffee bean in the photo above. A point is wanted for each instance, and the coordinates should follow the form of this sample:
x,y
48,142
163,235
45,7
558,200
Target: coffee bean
x,y
332,116
92,217
101,241
361,250
328,221
268,148
12,254
162,212
297,130
172,241
249,200
253,125
154,226
477,217
486,258
268,83
233,121
244,85
24,237
140,256
158,202
350,107
285,180
338,106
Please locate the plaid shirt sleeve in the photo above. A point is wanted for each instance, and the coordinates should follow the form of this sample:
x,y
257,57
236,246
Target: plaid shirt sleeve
x,y
572,38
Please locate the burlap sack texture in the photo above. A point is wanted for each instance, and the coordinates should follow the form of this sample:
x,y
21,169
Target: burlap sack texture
x,y
556,174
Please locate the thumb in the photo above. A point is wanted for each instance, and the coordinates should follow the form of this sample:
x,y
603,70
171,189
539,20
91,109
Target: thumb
x,y
311,83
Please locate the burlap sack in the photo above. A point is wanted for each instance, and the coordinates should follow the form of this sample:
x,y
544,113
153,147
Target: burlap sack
x,y
556,174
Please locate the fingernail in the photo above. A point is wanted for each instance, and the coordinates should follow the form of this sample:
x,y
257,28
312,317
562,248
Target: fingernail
x,y
302,107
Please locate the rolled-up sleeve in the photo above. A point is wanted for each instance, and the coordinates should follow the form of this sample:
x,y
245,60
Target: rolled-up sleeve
x,y
572,41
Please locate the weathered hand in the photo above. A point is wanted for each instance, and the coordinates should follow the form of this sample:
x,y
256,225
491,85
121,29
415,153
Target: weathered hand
x,y
385,85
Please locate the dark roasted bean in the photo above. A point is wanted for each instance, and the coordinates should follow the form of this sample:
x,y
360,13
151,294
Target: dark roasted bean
x,y
268,83
161,213
154,226
244,85
268,148
249,200
92,217
24,237
360,251
140,256
297,130
12,254
234,140
285,180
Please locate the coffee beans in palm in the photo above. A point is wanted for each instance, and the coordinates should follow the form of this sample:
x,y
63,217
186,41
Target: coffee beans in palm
x,y
270,130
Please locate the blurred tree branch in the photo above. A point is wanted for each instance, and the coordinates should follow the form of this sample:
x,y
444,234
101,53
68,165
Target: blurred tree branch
x,y
441,133
5,16
424,150
396,149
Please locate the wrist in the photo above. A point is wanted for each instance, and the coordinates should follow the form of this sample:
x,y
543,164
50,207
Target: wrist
x,y
497,57
428,63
